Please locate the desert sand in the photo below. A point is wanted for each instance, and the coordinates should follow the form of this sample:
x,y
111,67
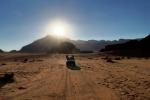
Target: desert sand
x,y
39,77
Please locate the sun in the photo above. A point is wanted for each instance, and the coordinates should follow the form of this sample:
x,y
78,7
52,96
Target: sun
x,y
58,29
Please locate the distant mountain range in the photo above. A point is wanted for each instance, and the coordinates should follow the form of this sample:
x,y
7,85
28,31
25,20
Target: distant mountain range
x,y
131,48
95,45
47,43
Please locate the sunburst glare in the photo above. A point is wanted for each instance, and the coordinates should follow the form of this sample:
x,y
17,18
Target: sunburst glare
x,y
58,29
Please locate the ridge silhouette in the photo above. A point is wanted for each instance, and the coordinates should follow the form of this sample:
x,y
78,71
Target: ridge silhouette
x,y
139,48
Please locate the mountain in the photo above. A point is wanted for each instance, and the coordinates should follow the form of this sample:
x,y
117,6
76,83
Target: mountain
x,y
95,45
49,44
1,51
131,48
13,51
64,47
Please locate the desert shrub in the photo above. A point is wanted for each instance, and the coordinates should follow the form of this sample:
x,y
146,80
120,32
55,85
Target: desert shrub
x,y
39,60
7,78
117,58
25,60
146,57
106,58
90,58
3,64
122,57
110,60
128,57
21,88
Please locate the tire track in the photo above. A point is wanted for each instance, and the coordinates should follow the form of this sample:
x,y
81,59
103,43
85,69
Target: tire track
x,y
82,88
70,92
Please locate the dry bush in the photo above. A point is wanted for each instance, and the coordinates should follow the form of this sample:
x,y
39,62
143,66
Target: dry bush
x,y
122,57
39,60
117,58
110,60
146,57
128,57
3,64
25,60
21,88
7,78
106,58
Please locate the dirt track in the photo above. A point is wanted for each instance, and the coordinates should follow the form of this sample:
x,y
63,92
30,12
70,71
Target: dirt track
x,y
49,79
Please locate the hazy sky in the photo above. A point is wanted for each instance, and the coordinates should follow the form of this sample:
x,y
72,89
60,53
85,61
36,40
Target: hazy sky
x,y
23,21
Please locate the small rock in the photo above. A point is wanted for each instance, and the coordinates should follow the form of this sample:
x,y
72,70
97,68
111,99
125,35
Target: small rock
x,y
21,88
3,64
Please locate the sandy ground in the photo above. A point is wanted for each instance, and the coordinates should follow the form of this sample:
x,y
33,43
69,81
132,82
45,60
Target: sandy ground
x,y
48,78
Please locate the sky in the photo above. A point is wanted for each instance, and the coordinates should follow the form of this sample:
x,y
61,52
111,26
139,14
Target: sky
x,y
23,21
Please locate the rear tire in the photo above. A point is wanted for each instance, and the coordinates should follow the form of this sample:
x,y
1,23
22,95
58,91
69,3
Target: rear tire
x,y
67,63
73,64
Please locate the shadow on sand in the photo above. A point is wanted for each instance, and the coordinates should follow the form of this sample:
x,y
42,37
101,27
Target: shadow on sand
x,y
74,67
